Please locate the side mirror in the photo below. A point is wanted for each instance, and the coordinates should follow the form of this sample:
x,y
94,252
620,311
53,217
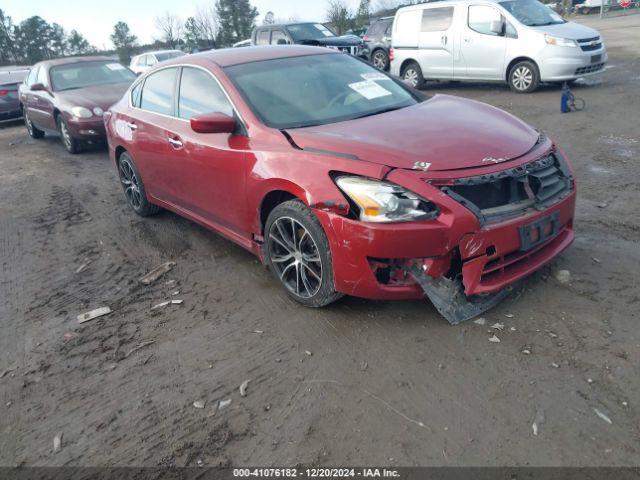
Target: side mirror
x,y
213,123
282,41
37,87
497,27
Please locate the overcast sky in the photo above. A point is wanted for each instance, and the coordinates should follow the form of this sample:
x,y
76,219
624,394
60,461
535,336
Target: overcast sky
x,y
95,18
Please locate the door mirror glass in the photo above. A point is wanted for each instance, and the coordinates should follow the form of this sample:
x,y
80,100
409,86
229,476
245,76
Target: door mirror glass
x,y
213,123
38,87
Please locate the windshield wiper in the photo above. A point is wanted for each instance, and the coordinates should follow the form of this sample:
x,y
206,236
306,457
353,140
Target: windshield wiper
x,y
378,112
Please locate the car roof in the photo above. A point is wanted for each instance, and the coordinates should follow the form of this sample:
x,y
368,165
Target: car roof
x,y
69,60
152,52
227,57
445,3
287,24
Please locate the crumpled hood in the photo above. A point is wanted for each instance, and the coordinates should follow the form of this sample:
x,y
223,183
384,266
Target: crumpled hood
x,y
445,131
102,96
570,30
343,41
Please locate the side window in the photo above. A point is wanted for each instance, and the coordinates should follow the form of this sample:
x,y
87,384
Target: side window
x,y
136,95
142,60
436,19
42,76
151,60
387,31
200,93
31,79
262,38
157,93
278,35
481,17
510,31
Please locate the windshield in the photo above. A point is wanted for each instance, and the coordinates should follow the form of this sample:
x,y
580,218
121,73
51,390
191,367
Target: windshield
x,y
167,55
89,74
532,13
309,31
316,90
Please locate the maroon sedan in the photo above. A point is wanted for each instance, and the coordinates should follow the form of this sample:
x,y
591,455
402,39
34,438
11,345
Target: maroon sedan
x,y
70,95
342,179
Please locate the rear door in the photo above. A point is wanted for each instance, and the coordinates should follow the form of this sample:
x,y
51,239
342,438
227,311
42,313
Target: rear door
x,y
436,42
483,50
152,129
211,180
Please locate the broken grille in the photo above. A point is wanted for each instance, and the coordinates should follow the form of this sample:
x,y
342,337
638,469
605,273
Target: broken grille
x,y
499,195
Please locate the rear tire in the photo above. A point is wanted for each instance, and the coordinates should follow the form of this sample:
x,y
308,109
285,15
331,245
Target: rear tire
x,y
31,128
380,60
412,75
297,252
134,188
524,77
70,144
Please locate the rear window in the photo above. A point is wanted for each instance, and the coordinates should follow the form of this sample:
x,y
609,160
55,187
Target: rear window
x,y
157,93
88,74
436,19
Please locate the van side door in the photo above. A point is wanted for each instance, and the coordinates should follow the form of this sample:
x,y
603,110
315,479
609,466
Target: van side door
x,y
484,42
436,42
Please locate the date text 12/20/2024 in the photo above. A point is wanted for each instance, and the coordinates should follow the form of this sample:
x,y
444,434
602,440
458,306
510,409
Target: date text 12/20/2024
x,y
315,473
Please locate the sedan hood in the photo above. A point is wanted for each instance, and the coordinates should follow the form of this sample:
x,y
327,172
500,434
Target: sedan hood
x,y
446,132
570,30
102,96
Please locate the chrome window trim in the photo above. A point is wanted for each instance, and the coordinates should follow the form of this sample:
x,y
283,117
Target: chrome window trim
x,y
176,66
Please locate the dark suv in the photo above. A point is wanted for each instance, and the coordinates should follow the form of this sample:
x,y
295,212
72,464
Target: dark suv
x,y
377,42
305,34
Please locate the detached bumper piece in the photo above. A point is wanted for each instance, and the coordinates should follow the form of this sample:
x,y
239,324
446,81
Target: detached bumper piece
x,y
450,300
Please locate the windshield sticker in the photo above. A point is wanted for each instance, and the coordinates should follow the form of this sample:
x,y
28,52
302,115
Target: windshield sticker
x,y
114,66
369,90
374,76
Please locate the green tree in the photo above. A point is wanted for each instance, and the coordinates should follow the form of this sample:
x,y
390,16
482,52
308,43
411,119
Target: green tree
x,y
192,35
33,36
237,19
124,41
57,45
8,50
77,44
339,16
363,13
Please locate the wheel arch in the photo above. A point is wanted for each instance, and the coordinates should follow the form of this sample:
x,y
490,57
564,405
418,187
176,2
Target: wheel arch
x,y
274,197
517,60
406,62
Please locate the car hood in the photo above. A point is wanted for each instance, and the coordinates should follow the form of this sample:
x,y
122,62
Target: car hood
x,y
102,96
344,41
446,132
570,30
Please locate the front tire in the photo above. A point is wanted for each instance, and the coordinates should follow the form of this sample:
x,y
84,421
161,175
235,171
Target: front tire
x,y
31,128
412,75
134,188
297,253
524,77
70,144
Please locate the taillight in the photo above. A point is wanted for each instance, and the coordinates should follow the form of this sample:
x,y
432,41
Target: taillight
x,y
391,55
4,93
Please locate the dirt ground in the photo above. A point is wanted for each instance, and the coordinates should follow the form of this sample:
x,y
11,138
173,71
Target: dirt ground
x,y
359,382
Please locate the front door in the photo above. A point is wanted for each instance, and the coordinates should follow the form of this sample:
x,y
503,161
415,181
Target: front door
x,y
436,42
483,47
212,166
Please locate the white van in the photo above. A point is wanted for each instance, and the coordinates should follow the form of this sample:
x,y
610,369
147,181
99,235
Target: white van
x,y
522,42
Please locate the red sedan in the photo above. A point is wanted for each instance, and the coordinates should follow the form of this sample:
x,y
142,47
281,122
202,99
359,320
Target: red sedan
x,y
343,180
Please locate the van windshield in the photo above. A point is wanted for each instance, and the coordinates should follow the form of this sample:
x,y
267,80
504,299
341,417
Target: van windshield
x,y
532,13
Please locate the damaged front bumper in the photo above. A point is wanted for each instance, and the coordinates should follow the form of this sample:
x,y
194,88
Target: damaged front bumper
x,y
463,267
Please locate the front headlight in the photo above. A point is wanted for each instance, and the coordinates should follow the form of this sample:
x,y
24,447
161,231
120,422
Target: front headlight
x,y
81,112
385,202
560,42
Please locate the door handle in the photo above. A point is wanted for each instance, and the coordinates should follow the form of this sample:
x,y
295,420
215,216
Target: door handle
x,y
444,39
468,40
132,126
175,143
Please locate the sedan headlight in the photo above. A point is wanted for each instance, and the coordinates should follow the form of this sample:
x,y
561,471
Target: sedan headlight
x,y
81,112
386,202
98,112
560,42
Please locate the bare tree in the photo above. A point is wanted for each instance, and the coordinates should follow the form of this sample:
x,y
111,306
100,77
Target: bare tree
x,y
339,16
207,22
171,28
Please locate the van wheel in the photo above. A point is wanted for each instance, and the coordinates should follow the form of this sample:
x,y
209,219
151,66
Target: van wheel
x,y
412,75
524,77
31,128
